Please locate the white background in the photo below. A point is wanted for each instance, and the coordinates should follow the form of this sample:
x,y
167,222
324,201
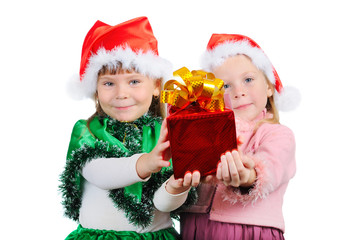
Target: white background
x,y
314,45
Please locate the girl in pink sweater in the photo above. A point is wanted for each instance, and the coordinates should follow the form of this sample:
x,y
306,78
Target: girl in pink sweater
x,y
245,201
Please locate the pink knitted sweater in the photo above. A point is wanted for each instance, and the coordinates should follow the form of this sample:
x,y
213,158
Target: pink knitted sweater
x,y
272,147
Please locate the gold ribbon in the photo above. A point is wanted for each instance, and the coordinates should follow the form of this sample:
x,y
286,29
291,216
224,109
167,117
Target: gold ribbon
x,y
200,86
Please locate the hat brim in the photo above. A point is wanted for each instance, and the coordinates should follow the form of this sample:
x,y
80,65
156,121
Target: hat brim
x,y
146,63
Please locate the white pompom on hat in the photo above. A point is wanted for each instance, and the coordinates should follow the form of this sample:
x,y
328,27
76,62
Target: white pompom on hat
x,y
223,46
132,43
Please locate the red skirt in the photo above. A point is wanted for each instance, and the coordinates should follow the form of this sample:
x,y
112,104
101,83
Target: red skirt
x,y
198,226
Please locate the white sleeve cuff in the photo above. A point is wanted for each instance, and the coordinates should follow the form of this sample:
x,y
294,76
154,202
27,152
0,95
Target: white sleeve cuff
x,y
166,202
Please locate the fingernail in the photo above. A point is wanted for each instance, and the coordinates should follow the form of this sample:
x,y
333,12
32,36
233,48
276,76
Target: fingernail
x,y
239,140
188,172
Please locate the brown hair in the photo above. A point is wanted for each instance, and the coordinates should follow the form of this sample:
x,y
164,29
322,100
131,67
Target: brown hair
x,y
155,109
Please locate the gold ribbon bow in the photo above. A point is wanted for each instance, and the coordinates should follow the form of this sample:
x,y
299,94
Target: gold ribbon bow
x,y
200,86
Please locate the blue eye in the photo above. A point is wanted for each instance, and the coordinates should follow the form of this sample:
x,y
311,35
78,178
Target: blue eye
x,y
248,80
225,86
108,84
134,82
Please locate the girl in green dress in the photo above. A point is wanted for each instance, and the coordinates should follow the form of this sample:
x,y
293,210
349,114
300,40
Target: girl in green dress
x,y
118,174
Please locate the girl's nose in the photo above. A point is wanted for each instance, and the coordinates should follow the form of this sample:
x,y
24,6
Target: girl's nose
x,y
122,92
239,91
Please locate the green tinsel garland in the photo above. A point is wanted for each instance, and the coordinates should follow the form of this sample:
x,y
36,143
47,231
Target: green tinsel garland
x,y
130,134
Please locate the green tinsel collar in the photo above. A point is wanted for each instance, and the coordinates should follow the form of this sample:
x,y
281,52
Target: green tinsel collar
x,y
130,134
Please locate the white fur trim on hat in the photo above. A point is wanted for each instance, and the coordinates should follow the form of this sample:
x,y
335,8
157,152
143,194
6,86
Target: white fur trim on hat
x,y
288,100
215,57
145,63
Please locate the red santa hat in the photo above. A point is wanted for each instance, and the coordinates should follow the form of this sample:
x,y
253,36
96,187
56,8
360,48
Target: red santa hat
x,y
222,46
132,43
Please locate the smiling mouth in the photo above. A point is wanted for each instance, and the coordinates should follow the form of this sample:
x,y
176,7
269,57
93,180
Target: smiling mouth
x,y
243,106
124,108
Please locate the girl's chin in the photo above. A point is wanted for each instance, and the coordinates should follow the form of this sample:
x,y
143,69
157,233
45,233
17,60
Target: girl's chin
x,y
244,115
126,117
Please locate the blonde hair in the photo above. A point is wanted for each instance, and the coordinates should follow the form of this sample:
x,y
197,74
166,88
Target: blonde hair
x,y
271,108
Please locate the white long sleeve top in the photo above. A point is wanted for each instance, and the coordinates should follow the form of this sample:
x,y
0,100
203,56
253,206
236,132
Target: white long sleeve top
x,y
97,209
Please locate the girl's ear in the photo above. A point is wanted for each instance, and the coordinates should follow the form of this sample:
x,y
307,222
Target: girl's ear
x,y
270,89
157,88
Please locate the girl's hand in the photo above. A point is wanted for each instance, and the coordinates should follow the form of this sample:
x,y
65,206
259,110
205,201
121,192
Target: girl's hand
x,y
236,169
158,158
183,184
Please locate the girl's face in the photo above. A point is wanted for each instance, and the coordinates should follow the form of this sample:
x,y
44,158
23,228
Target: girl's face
x,y
126,96
246,85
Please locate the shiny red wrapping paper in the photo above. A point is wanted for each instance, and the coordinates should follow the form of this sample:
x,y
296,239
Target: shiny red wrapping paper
x,y
198,138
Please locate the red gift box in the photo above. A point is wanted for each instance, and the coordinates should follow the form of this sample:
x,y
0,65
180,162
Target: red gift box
x,y
198,138
200,129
